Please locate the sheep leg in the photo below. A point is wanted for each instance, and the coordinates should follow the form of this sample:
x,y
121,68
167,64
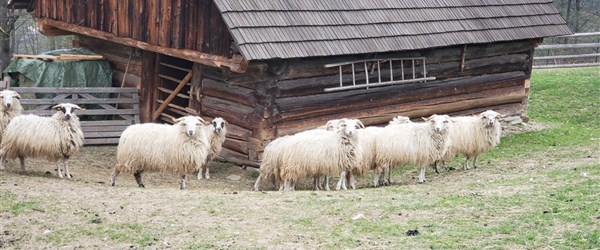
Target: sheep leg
x,y
60,175
138,179
207,173
351,180
182,183
2,161
67,173
316,180
287,185
113,177
376,176
422,174
342,182
22,161
435,168
200,174
326,183
475,162
389,179
466,164
444,166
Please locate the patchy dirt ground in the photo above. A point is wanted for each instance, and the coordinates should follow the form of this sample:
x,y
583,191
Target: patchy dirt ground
x,y
39,210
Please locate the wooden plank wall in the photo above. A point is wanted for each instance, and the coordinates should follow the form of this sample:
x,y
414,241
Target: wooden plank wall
x,y
180,24
493,76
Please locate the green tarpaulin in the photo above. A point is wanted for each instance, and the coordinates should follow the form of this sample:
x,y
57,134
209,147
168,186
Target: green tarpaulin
x,y
41,73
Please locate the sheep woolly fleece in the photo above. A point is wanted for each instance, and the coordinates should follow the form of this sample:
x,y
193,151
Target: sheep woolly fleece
x,y
472,136
410,143
52,138
152,147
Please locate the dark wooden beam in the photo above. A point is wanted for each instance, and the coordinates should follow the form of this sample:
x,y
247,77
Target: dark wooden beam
x,y
237,63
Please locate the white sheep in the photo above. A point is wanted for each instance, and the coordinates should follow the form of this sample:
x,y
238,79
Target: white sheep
x,y
180,149
366,138
55,138
320,153
11,107
271,162
413,143
217,130
472,136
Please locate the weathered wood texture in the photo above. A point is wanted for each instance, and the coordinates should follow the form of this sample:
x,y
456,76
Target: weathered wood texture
x,y
180,24
111,115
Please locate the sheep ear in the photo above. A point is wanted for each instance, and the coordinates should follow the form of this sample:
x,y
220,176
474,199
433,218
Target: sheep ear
x,y
78,108
202,120
57,107
425,118
360,124
17,96
177,120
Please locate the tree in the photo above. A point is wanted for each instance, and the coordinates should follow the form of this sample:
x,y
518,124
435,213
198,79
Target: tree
x,y
7,25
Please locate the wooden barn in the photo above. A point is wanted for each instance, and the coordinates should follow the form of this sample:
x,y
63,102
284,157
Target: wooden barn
x,y
276,67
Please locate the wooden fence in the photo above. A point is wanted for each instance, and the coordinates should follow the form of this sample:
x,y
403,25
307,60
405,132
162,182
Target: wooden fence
x,y
569,55
103,119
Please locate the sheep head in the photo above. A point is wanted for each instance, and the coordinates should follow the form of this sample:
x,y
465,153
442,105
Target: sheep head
x,y
400,120
68,109
349,126
489,117
8,97
190,124
439,123
219,124
332,124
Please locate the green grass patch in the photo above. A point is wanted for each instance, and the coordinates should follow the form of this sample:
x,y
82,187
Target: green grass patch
x,y
567,102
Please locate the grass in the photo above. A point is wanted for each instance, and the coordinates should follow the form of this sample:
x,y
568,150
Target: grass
x,y
567,101
537,190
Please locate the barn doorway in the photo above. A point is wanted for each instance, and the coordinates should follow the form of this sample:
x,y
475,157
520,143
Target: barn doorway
x,y
174,76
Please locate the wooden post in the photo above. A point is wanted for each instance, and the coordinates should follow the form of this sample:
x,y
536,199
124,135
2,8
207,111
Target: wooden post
x,y
148,86
195,103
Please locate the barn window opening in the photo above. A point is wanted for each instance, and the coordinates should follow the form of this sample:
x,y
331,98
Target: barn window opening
x,y
380,72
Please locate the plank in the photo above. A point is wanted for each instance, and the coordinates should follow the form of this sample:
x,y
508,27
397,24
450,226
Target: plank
x,y
79,101
101,141
103,134
86,112
105,123
87,90
236,63
172,95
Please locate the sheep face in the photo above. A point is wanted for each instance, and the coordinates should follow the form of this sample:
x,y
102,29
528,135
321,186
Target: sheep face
x,y
439,123
489,117
332,124
68,110
8,96
190,124
349,126
219,124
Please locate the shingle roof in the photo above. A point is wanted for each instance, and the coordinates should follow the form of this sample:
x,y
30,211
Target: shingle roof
x,y
307,28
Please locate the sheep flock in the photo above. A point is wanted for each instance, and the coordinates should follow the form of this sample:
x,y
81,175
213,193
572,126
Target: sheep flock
x,y
343,148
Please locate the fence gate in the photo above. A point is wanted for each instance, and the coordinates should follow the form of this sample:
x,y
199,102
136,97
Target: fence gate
x,y
108,111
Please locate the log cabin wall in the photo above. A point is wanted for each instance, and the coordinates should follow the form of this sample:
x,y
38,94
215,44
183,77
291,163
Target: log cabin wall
x,y
179,24
493,76
279,97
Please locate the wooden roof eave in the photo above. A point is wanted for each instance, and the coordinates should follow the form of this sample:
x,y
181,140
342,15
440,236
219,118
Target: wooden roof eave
x,y
237,63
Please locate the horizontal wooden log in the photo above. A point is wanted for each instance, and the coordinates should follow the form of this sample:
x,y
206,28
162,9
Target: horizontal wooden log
x,y
439,105
239,146
102,128
106,123
569,46
237,63
442,71
87,112
103,134
574,65
86,90
566,56
232,112
237,132
303,107
101,141
228,92
78,101
131,80
238,161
